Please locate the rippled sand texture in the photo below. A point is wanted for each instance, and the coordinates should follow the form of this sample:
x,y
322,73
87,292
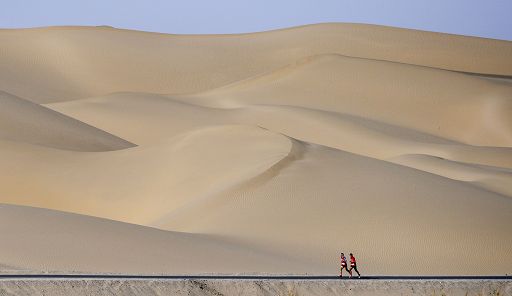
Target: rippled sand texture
x,y
134,152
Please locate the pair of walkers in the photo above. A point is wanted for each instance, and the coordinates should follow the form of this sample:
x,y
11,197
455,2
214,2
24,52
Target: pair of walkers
x,y
353,265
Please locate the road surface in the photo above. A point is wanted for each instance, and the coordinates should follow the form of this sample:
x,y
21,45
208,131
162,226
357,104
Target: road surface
x,y
242,277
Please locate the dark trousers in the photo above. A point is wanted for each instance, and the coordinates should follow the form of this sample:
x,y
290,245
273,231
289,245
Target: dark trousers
x,y
344,267
354,268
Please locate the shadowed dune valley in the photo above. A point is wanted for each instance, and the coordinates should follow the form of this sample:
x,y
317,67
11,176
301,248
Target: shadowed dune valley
x,y
130,152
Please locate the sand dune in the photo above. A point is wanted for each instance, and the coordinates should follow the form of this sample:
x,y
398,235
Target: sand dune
x,y
442,103
140,117
64,63
118,113
421,216
267,152
24,121
73,242
141,184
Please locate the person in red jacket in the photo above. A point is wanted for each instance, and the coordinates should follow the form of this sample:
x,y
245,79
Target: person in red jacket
x,y
353,265
343,265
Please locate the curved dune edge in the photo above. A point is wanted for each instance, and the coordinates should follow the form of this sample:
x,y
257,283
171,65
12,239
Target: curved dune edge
x,y
27,122
162,177
214,198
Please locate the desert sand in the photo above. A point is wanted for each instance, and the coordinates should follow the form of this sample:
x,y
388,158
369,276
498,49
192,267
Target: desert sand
x,y
194,287
134,152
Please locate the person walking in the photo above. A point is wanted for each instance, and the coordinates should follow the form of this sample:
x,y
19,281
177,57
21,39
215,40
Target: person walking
x,y
343,265
353,265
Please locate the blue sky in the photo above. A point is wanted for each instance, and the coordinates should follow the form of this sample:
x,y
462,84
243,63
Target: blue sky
x,y
484,18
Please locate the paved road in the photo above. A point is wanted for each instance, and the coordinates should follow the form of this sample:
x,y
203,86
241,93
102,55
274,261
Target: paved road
x,y
241,277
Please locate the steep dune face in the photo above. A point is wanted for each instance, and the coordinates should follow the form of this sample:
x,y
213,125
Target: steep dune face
x,y
268,152
24,121
64,63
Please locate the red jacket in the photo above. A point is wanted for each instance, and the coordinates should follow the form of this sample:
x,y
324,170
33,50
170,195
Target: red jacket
x,y
352,261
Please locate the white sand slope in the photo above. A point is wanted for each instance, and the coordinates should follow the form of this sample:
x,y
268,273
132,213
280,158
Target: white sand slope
x,y
268,152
